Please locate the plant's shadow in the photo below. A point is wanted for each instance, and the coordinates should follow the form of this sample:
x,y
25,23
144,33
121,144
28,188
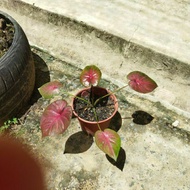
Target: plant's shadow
x,y
141,117
81,142
116,122
78,143
120,160
42,76
115,125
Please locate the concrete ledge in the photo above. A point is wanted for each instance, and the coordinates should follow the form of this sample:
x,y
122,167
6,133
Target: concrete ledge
x,y
153,25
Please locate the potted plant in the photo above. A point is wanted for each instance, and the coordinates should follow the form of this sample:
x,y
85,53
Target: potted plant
x,y
94,107
98,113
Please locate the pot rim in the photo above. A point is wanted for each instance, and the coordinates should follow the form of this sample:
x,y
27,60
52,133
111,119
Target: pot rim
x,y
94,122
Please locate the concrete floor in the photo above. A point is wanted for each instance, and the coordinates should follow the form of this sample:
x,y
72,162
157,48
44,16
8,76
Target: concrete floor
x,y
118,36
153,156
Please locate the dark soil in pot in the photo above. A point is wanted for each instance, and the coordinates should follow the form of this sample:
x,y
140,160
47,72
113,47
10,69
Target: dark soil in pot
x,y
103,109
6,35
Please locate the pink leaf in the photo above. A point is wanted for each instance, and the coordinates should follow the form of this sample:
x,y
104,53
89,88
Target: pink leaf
x,y
90,75
50,89
109,142
140,82
56,118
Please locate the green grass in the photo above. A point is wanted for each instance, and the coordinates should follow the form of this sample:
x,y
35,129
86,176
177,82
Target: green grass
x,y
7,124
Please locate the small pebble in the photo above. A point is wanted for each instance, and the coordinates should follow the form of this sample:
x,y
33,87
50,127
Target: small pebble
x,y
175,123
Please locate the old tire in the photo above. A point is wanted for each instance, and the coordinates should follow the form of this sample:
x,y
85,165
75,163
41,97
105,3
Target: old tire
x,y
17,74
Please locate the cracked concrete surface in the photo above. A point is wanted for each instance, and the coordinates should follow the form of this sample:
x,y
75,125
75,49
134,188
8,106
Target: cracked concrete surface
x,y
153,156
118,36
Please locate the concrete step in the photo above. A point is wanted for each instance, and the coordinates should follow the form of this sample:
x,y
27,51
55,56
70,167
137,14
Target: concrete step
x,y
158,25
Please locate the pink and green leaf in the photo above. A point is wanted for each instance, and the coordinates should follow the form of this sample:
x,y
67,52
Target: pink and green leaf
x,y
109,142
140,82
50,89
56,118
90,76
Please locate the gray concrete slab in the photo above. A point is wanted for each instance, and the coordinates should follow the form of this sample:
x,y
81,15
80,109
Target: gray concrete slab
x,y
159,25
154,156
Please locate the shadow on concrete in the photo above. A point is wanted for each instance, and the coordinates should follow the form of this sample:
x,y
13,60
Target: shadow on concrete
x,y
115,125
81,142
42,76
78,142
116,122
120,160
141,117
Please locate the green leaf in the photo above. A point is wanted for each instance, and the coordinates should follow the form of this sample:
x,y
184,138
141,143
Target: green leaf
x,y
50,89
109,142
90,76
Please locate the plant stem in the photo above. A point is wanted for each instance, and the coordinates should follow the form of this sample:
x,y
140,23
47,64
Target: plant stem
x,y
118,89
96,119
126,117
78,97
91,95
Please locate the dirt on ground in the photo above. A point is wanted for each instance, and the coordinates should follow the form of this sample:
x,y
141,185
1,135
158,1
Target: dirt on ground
x,y
6,35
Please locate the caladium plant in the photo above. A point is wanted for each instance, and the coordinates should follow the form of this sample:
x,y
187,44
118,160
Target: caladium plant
x,y
57,116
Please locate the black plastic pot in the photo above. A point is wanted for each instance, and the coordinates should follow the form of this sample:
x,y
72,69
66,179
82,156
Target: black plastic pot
x,y
17,74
